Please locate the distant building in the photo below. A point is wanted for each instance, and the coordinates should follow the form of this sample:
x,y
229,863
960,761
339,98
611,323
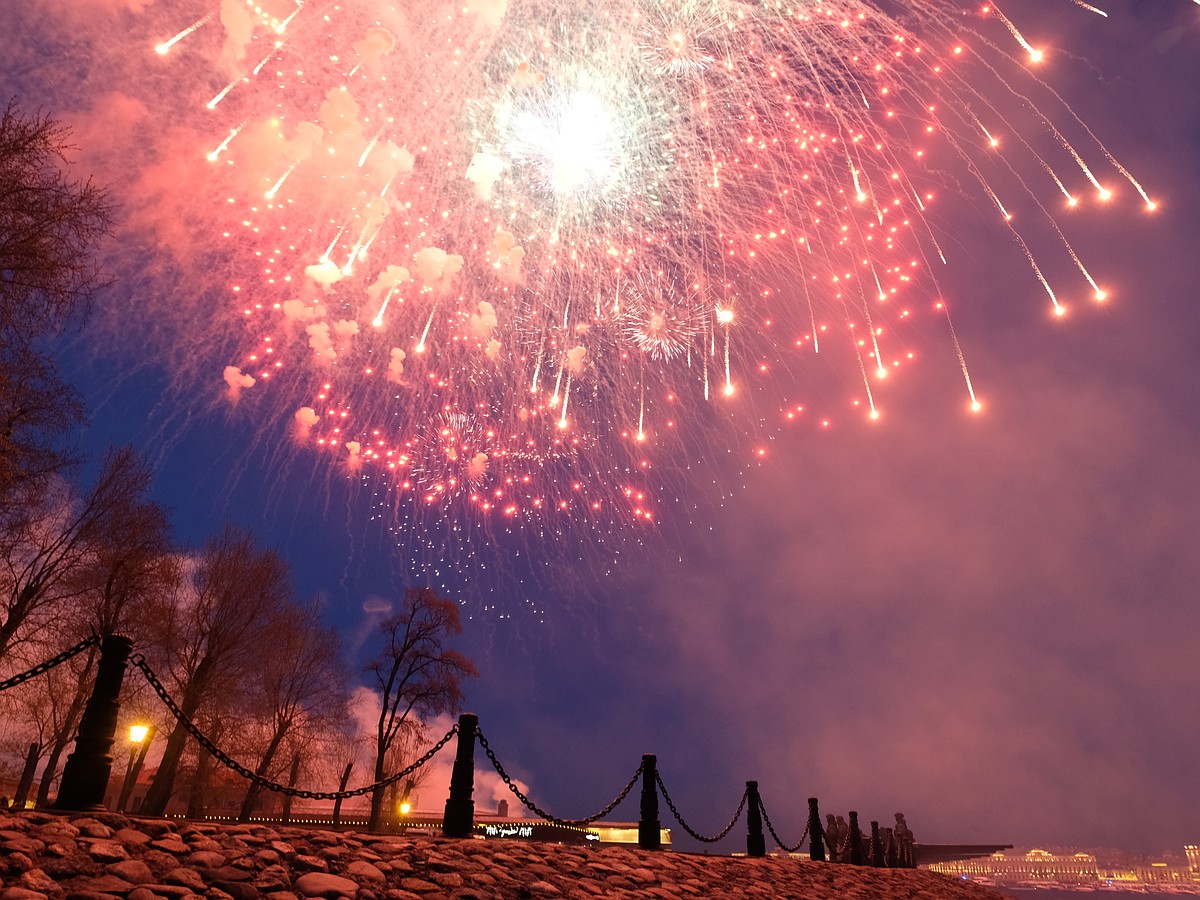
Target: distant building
x,y
1034,866
1043,868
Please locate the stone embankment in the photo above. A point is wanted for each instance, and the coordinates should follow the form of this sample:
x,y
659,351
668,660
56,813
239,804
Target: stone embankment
x,y
47,856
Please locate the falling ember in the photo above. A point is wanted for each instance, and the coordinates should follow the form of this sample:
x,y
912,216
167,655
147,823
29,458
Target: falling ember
x,y
165,47
517,253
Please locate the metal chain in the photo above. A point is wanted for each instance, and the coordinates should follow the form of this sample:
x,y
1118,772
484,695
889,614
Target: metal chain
x,y
771,828
705,840
538,811
839,850
201,738
50,663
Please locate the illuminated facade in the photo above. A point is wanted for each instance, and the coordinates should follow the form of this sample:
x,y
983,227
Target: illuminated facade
x,y
1040,867
1036,865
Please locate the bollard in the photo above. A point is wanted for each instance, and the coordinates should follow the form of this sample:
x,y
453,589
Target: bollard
x,y
890,854
756,843
86,774
649,829
856,854
876,847
816,832
459,818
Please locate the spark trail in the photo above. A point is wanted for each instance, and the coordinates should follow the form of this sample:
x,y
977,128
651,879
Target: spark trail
x,y
495,254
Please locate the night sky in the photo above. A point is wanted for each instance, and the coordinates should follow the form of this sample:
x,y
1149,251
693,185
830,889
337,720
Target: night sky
x,y
987,622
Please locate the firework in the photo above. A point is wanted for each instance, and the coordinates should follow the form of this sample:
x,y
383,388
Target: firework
x,y
513,259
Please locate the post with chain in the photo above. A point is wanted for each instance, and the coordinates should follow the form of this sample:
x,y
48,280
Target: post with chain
x,y
816,832
876,847
649,828
756,842
856,848
459,818
85,776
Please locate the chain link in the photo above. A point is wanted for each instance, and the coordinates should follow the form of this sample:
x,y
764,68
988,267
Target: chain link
x,y
541,813
201,738
841,850
771,828
704,840
49,664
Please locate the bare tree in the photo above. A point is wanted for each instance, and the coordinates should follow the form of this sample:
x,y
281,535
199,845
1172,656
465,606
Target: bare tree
x,y
415,674
41,563
216,635
129,565
300,681
50,228
37,409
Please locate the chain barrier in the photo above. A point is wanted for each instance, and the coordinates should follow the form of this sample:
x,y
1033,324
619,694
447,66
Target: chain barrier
x,y
771,828
229,762
49,664
541,813
841,851
675,812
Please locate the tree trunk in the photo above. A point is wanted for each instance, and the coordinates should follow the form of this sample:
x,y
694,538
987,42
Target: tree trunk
x,y
337,804
288,798
18,610
253,790
196,796
155,802
63,736
31,761
377,798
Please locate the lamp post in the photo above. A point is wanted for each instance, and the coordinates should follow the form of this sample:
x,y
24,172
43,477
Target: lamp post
x,y
140,737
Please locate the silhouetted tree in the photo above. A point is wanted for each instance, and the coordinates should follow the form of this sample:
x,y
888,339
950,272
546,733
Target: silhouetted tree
x,y
50,228
128,566
216,635
42,563
415,674
300,681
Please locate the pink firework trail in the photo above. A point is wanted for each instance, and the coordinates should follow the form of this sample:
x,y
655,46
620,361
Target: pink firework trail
x,y
506,255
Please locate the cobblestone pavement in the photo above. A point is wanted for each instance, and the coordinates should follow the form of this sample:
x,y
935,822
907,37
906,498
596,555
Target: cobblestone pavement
x,y
50,856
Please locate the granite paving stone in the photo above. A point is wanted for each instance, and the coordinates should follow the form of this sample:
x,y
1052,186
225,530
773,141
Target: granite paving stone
x,y
102,856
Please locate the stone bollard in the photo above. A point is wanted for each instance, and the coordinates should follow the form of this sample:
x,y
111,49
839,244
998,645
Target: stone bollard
x,y
649,828
459,818
756,842
86,774
816,832
876,847
856,848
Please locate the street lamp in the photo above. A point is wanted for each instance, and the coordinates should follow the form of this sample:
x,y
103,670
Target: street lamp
x,y
405,805
140,737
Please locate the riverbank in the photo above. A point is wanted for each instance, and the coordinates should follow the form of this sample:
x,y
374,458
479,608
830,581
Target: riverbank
x,y
47,856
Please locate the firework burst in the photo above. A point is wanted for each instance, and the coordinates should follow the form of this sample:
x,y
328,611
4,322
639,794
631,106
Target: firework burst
x,y
501,256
